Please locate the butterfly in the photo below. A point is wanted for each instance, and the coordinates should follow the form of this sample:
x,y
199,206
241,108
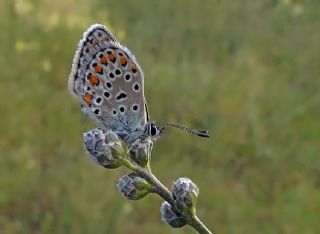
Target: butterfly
x,y
108,82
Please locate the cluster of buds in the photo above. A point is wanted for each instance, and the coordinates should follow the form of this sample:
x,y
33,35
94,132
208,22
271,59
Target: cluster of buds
x,y
107,149
185,194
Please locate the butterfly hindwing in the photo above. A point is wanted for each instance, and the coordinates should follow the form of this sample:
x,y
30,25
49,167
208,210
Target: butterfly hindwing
x,y
108,81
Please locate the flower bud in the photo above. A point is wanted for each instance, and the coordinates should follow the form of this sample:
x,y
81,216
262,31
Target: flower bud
x,y
185,194
134,187
170,217
140,153
101,152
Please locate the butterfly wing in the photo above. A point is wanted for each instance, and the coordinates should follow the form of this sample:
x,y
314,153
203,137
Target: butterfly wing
x,y
108,82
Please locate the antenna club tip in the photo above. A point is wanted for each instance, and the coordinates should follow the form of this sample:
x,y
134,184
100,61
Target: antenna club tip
x,y
203,135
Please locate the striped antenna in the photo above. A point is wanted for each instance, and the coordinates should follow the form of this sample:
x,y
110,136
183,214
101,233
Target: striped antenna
x,y
199,133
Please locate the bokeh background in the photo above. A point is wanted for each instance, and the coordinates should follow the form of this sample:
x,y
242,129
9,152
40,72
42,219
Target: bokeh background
x,y
248,71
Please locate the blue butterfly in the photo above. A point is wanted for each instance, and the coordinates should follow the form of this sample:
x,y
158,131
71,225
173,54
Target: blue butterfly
x,y
108,82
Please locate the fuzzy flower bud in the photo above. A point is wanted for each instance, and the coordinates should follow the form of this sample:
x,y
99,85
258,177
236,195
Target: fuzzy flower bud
x,y
170,217
101,147
134,187
185,194
140,153
112,139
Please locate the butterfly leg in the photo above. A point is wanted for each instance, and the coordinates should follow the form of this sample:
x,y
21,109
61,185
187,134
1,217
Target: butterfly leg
x,y
136,143
149,150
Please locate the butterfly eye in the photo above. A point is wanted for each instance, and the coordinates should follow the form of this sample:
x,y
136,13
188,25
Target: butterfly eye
x,y
153,130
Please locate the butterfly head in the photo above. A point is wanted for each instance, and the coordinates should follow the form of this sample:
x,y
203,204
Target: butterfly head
x,y
153,130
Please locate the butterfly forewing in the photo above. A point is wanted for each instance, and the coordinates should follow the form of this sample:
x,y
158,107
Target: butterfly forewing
x,y
95,38
108,81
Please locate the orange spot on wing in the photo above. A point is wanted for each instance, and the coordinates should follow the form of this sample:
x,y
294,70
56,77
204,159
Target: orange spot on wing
x,y
94,80
98,69
88,98
112,57
103,60
123,61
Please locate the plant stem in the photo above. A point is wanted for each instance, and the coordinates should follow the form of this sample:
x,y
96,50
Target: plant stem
x,y
145,173
164,192
198,225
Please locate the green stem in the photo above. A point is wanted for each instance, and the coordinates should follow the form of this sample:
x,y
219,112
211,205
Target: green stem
x,y
128,163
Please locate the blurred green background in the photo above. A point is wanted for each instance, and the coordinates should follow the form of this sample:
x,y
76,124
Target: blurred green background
x,y
248,71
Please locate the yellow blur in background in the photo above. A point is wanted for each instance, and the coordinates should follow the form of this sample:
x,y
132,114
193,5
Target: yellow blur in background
x,y
248,71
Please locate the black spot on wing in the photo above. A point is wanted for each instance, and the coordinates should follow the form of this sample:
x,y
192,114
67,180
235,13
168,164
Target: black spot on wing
x,y
121,96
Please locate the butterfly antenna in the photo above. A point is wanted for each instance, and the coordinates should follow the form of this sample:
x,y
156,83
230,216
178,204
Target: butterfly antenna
x,y
199,133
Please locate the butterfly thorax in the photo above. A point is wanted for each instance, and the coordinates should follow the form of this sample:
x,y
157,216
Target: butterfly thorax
x,y
132,137
149,132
